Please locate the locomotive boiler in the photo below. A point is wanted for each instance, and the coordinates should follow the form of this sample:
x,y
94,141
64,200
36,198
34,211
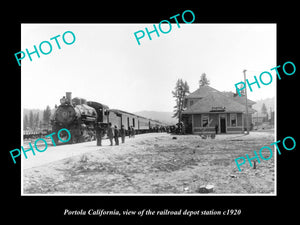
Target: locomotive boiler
x,y
75,115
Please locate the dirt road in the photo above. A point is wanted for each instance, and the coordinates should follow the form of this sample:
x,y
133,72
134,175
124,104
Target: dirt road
x,y
55,153
153,164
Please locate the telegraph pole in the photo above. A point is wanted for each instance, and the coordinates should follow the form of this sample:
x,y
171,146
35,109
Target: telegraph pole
x,y
247,120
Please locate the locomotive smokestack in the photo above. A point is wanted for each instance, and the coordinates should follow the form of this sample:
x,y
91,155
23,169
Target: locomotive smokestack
x,y
69,97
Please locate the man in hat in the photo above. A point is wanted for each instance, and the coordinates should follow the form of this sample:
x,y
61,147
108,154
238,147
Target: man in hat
x,y
116,136
123,133
110,133
132,132
99,133
216,128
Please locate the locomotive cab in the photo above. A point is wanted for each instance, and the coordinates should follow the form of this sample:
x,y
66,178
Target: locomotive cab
x,y
102,111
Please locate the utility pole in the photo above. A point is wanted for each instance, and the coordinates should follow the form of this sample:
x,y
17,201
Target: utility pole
x,y
247,121
257,119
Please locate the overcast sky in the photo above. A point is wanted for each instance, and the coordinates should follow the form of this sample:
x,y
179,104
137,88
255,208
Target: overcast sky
x,y
105,63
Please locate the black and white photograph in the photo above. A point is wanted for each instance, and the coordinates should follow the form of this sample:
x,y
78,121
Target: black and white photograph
x,y
129,109
149,113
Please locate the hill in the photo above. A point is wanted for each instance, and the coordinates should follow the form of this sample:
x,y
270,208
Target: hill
x,y
165,117
269,102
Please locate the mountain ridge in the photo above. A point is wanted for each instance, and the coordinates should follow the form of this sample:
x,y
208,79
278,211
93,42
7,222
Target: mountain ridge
x,y
269,102
161,116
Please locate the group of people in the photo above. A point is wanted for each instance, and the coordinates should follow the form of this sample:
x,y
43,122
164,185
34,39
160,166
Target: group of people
x,y
113,134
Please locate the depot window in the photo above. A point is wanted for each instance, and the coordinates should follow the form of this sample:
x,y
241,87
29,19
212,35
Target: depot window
x,y
204,120
233,119
191,103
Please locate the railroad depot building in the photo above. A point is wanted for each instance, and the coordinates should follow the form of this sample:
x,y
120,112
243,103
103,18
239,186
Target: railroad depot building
x,y
207,107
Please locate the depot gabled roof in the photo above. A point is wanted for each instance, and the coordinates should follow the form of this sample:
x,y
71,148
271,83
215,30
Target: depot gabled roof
x,y
240,99
201,92
207,98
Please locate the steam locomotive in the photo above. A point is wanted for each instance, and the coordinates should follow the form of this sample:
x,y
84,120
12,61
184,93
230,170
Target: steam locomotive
x,y
80,117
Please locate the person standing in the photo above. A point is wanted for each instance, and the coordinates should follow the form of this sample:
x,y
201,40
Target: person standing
x,y
123,133
116,135
182,128
132,131
110,133
216,128
129,131
99,133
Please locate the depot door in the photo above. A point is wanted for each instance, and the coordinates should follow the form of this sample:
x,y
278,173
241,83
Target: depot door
x,y
223,123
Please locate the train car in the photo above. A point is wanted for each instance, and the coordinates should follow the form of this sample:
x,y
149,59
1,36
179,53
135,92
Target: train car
x,y
77,117
143,124
115,118
119,117
128,120
139,123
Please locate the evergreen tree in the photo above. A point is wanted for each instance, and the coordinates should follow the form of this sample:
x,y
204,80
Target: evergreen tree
x,y
31,119
46,115
180,92
37,120
25,122
203,80
264,109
